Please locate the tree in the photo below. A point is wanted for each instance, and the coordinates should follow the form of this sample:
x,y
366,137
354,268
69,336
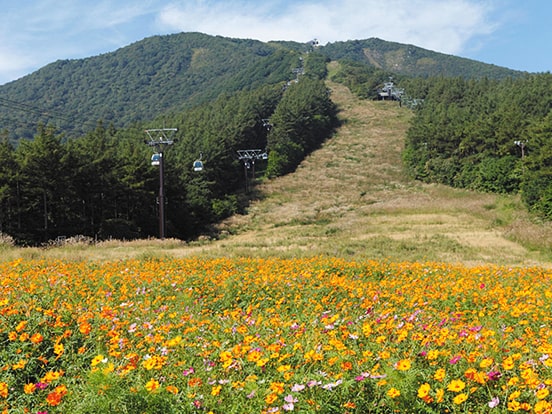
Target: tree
x,y
45,187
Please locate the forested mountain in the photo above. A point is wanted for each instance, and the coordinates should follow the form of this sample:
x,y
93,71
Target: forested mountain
x,y
145,79
413,61
101,184
73,159
139,82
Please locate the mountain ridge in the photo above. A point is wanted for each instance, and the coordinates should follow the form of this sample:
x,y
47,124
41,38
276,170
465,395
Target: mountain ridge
x,y
141,81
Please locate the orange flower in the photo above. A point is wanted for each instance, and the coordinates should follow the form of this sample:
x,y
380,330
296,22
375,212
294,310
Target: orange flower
x,y
36,338
3,390
20,326
85,328
271,398
29,388
346,366
172,389
54,398
277,387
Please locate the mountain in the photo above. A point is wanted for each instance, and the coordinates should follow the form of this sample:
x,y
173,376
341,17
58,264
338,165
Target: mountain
x,y
141,81
413,61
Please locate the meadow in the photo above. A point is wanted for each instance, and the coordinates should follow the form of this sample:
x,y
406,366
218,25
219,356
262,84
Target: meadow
x,y
317,335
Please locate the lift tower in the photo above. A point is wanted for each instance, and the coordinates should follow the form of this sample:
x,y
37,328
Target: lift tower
x,y
159,140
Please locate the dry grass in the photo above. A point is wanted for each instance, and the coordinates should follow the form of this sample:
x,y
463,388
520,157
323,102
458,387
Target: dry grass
x,y
350,198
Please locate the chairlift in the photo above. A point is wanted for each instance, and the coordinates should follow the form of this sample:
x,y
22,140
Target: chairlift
x,y
198,164
156,159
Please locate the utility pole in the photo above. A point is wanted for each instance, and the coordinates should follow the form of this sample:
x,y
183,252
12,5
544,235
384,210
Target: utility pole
x,y
159,140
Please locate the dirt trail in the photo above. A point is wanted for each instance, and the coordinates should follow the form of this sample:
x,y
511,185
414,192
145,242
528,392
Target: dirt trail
x,y
350,198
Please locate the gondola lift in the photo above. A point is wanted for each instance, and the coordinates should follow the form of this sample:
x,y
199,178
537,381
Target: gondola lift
x,y
198,164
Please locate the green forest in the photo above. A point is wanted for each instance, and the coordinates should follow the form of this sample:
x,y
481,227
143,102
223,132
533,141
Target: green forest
x,y
102,185
475,126
486,135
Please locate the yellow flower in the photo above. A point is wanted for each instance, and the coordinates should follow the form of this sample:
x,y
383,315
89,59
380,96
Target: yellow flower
x,y
456,385
216,390
283,368
19,365
96,360
460,398
59,349
440,395
423,391
403,365
542,393
393,393
543,407
440,374
508,363
152,385
432,354
486,363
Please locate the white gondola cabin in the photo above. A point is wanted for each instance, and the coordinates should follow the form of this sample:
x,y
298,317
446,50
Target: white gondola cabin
x,y
156,159
198,165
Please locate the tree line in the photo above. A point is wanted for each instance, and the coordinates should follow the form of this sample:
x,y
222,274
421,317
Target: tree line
x,y
103,185
487,135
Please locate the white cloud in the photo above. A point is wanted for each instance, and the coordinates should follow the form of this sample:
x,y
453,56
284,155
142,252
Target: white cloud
x,y
441,25
33,34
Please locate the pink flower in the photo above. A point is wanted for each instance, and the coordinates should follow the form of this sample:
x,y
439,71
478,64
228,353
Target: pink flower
x,y
494,402
493,375
455,359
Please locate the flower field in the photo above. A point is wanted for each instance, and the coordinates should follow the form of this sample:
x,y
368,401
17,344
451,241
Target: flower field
x,y
319,335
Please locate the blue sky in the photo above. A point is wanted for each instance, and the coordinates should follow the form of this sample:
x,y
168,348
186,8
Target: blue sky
x,y
513,33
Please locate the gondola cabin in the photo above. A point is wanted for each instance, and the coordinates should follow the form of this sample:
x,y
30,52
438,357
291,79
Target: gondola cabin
x,y
198,165
156,159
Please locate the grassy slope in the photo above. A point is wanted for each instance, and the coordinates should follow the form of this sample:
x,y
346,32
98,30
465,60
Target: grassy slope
x,y
350,198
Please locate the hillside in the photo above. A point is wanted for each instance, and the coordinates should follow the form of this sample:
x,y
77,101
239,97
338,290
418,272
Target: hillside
x,y
139,82
351,199
410,60
161,74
